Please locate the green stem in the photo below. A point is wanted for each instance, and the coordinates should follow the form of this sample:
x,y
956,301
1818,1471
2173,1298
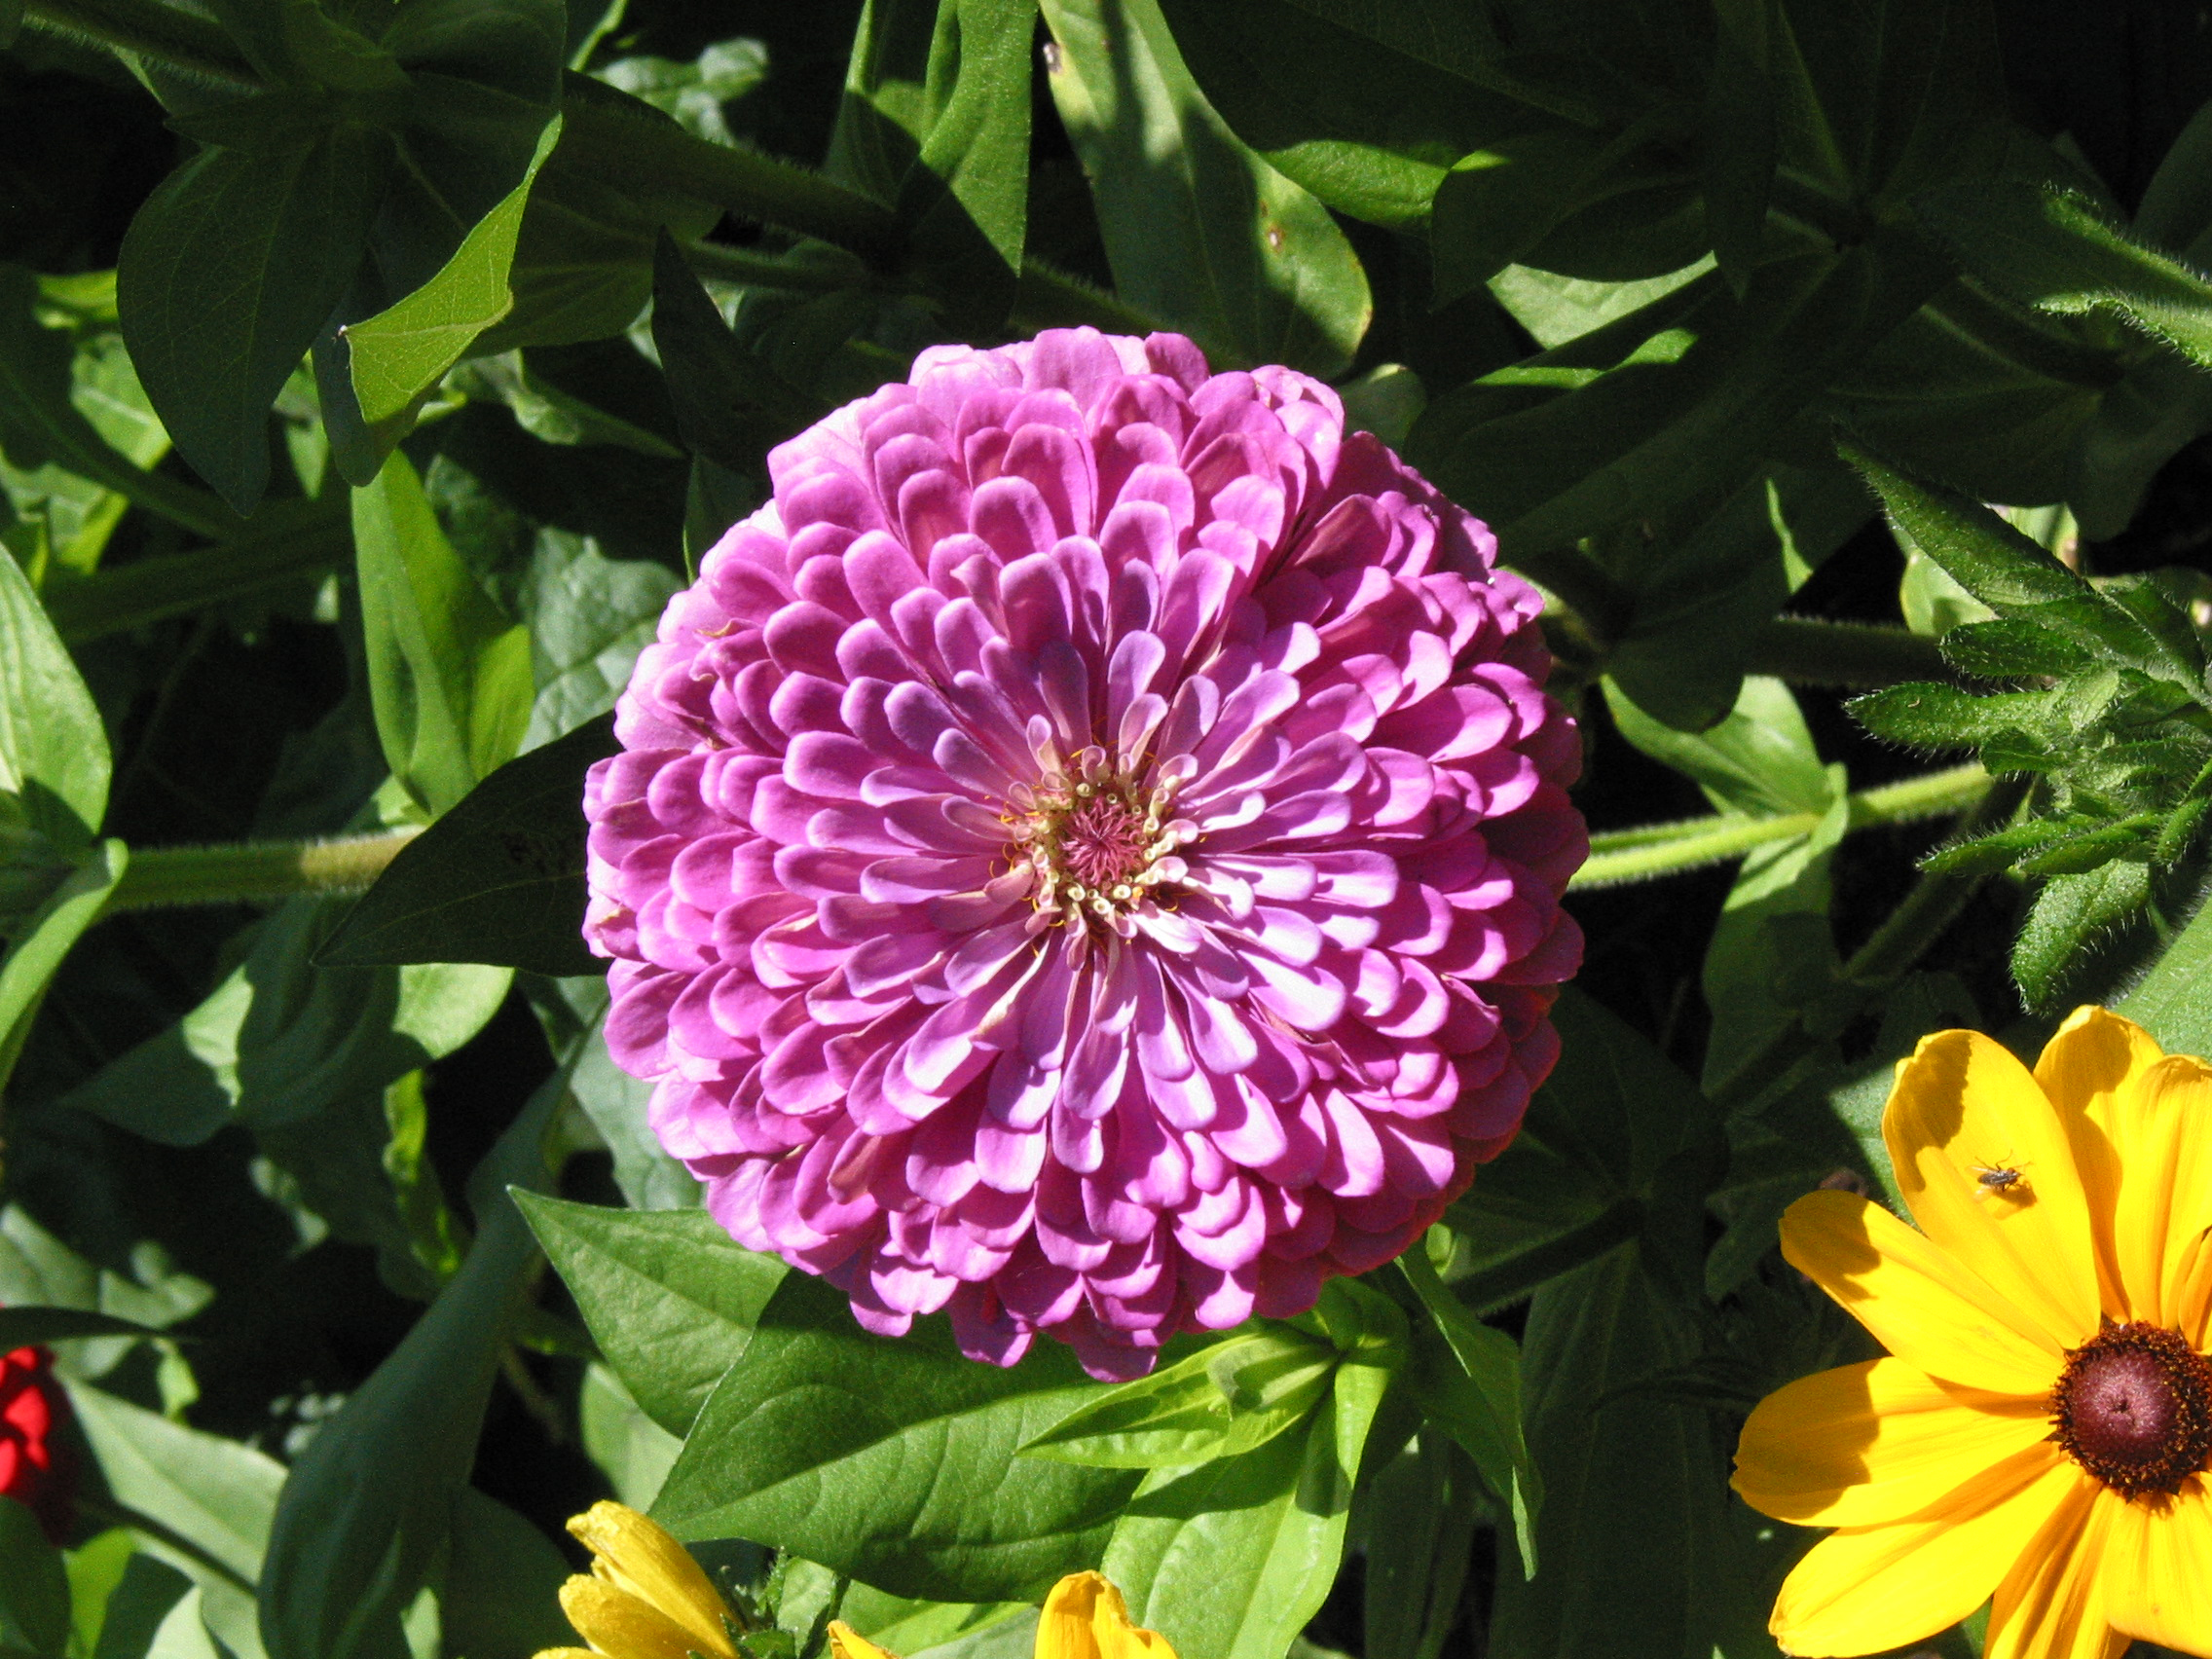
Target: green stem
x,y
253,871
284,543
655,158
1652,850
1935,902
1808,652
146,28
768,270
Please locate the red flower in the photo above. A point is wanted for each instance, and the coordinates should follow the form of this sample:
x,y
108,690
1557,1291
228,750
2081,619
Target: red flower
x,y
34,1468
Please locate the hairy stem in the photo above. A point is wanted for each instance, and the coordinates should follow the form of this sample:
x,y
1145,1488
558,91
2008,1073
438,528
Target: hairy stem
x,y
611,144
252,871
1652,850
1808,652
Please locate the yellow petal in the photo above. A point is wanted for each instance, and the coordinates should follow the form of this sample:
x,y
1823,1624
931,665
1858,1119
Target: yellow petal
x,y
1963,1105
845,1642
2160,1587
1877,1442
2192,1293
1920,1304
564,1653
2052,1605
2161,1129
2087,1063
1868,1589
619,1625
1085,1619
637,1557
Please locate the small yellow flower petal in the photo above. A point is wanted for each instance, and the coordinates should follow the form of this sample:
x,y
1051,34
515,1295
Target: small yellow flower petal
x,y
845,1642
2161,1588
2161,1127
2082,1068
1085,1619
564,1653
1963,1104
619,1625
1872,1443
2052,1605
1921,1305
1868,1589
2191,1292
637,1557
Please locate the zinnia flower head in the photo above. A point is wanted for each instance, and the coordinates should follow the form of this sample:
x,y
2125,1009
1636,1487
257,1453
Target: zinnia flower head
x,y
1085,1618
1088,852
644,1597
34,1470
2040,1435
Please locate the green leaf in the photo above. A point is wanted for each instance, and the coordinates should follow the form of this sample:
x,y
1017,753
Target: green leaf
x,y
1232,1556
1700,597
2173,1001
632,1451
1472,1392
397,355
54,754
1617,1144
966,200
374,1500
671,1298
1557,309
1222,1401
448,674
280,1043
2051,248
2072,914
1760,760
693,94
148,1594
1614,1581
34,1588
226,277
730,403
1199,229
1428,1500
35,952
500,1599
863,1454
2024,581
498,879
1364,106
217,1492
22,1327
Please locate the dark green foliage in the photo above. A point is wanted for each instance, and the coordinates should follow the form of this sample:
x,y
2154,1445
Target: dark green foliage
x,y
2117,735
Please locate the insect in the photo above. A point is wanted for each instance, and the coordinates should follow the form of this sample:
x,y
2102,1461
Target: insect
x,y
1999,1178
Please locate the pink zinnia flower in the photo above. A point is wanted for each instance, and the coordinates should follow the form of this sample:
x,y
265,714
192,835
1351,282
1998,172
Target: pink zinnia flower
x,y
1087,852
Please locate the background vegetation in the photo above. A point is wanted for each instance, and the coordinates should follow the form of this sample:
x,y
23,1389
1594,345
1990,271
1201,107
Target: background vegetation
x,y
371,375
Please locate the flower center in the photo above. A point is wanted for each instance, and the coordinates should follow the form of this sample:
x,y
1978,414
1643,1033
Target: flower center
x,y
2134,1408
1099,843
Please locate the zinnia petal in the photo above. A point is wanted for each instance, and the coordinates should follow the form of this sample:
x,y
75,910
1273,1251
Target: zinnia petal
x,y
1085,1619
1876,1442
1964,1106
1924,1306
2052,1605
2160,1556
1868,1589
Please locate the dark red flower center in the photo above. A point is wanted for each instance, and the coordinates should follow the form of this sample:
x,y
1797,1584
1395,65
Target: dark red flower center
x,y
2134,1408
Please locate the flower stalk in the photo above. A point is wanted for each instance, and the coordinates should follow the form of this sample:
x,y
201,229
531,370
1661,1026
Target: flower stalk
x,y
1654,850
252,871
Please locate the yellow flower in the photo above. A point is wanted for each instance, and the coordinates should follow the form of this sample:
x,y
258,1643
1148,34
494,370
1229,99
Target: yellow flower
x,y
644,1597
1085,1618
2040,1435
